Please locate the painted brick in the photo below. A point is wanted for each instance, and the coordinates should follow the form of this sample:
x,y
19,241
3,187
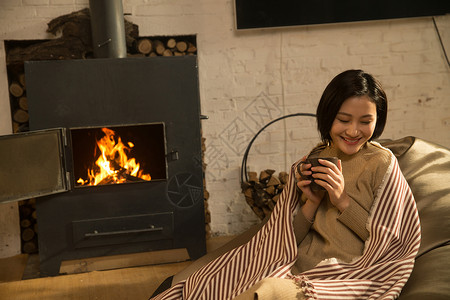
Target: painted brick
x,y
371,60
269,148
5,115
35,2
50,12
63,2
409,46
16,14
368,48
10,3
255,66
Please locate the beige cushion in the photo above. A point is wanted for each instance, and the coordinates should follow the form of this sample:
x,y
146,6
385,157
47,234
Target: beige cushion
x,y
426,167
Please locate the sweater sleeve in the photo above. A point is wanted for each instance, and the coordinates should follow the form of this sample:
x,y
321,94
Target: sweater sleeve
x,y
301,226
355,217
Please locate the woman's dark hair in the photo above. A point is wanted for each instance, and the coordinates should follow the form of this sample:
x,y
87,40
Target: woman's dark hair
x,y
349,84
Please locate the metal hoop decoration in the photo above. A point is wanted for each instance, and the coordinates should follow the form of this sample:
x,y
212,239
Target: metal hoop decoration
x,y
244,159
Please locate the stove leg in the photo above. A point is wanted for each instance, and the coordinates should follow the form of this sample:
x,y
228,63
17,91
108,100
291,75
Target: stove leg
x,y
196,250
49,266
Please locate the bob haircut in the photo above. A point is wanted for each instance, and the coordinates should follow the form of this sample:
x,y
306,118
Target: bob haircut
x,y
345,85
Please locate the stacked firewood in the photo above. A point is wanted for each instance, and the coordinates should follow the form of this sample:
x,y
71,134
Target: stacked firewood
x,y
205,193
28,226
208,231
163,46
262,192
19,102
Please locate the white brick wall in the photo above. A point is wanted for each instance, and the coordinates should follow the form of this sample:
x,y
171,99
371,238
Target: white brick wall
x,y
248,78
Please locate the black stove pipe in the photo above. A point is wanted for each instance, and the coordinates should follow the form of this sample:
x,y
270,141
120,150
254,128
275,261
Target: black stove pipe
x,y
108,29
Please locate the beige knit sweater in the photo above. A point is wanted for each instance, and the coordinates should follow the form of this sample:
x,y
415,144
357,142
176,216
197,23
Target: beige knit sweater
x,y
342,235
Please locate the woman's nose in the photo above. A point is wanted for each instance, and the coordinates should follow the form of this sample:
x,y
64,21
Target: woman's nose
x,y
352,130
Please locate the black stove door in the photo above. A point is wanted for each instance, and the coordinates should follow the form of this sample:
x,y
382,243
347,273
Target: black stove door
x,y
32,164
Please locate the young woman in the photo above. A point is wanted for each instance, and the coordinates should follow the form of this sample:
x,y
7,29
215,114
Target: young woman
x,y
351,113
357,239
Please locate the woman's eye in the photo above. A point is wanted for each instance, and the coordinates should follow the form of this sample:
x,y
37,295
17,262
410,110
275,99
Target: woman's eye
x,y
343,121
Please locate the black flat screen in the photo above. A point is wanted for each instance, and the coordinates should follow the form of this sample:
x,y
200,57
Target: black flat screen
x,y
278,13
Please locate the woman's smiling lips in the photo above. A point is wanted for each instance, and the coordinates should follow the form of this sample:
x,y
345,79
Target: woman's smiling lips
x,y
350,141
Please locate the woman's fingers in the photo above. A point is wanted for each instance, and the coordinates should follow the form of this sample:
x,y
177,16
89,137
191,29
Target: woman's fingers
x,y
305,170
302,169
303,183
329,175
328,165
315,197
325,180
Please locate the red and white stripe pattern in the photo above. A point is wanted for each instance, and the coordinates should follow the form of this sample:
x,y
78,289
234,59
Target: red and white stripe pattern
x,y
380,273
389,254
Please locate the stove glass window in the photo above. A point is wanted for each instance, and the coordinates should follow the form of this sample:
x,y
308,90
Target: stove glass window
x,y
119,154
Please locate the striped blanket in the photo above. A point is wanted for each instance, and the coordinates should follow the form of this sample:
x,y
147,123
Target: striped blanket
x,y
380,273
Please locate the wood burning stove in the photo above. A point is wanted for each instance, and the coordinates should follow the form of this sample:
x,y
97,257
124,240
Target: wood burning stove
x,y
152,107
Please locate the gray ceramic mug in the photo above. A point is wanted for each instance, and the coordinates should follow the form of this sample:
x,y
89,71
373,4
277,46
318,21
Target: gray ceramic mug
x,y
314,161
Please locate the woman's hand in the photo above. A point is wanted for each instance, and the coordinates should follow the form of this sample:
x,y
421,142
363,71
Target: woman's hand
x,y
304,185
331,178
313,198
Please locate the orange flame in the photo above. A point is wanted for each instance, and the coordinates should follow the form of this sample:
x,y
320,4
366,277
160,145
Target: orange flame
x,y
113,165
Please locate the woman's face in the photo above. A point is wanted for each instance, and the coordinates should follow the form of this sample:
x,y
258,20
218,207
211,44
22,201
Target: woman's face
x,y
354,124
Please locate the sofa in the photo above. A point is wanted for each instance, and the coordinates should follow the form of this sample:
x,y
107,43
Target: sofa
x,y
426,167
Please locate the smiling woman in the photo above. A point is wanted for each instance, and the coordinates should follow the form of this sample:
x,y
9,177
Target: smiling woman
x,y
351,112
315,236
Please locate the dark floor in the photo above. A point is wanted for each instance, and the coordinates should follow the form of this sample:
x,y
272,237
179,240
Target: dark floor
x,y
32,268
27,266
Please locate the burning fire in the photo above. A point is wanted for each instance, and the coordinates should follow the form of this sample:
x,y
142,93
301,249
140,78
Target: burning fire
x,y
113,165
